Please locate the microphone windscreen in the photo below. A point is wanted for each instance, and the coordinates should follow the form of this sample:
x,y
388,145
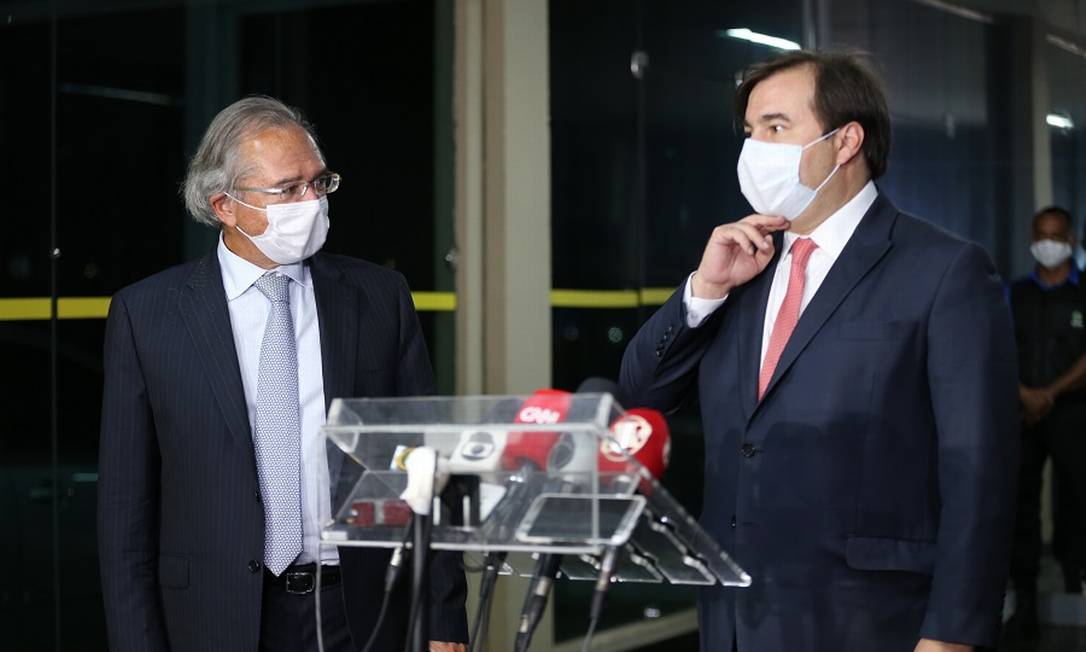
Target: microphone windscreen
x,y
539,449
641,433
601,385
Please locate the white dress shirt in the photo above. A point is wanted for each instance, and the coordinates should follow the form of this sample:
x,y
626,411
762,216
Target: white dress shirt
x,y
831,237
248,315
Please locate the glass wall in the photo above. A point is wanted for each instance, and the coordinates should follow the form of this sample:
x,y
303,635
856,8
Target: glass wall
x,y
1066,119
100,105
102,102
644,154
643,167
948,80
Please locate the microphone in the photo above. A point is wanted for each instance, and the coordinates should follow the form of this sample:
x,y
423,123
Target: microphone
x,y
526,453
601,385
539,450
546,570
562,454
641,433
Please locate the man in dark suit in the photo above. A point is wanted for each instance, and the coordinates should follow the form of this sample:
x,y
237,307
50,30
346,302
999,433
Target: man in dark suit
x,y
213,479
856,373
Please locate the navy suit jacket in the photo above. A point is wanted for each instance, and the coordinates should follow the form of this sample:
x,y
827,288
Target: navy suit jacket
x,y
179,515
871,493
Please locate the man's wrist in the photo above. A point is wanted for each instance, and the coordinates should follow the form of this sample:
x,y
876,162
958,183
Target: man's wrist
x,y
702,289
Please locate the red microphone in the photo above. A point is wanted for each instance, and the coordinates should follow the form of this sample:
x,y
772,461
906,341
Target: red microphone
x,y
540,449
641,433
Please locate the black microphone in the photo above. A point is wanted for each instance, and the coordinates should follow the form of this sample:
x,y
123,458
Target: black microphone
x,y
547,565
546,570
601,385
529,453
641,434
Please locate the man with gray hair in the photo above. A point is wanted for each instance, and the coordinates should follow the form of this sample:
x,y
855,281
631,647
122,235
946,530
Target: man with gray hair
x,y
213,480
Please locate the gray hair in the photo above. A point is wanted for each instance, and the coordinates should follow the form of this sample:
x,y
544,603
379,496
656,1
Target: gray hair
x,y
215,166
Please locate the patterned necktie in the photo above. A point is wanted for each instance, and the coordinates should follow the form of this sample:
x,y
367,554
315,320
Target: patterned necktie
x,y
277,433
788,315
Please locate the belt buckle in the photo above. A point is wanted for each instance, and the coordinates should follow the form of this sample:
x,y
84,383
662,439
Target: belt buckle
x,y
299,582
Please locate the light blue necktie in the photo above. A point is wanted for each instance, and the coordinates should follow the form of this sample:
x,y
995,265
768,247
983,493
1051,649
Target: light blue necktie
x,y
277,433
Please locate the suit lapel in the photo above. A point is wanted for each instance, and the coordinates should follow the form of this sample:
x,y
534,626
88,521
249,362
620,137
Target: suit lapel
x,y
204,311
751,320
337,315
868,244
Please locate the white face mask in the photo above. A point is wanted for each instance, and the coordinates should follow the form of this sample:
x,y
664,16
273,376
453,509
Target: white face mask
x,y
1050,253
295,231
769,177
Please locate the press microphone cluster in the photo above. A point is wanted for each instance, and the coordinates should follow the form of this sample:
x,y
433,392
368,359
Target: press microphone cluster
x,y
641,433
541,460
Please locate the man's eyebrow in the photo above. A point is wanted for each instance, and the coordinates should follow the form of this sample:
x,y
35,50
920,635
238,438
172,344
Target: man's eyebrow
x,y
296,178
771,117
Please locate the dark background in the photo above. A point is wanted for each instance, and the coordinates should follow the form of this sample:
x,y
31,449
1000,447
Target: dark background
x,y
102,102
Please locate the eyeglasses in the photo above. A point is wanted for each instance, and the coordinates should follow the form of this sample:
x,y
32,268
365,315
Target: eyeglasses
x,y
322,185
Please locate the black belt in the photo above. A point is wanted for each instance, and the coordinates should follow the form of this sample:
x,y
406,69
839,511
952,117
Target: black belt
x,y
301,579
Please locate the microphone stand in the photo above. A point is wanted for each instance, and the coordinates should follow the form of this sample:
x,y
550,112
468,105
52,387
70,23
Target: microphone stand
x,y
420,616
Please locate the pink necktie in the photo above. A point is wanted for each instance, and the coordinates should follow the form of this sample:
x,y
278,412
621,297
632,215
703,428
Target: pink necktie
x,y
788,315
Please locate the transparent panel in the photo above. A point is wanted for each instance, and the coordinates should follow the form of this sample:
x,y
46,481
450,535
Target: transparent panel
x,y
543,473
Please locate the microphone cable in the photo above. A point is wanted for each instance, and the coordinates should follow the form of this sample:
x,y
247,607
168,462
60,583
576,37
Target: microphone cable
x,y
491,567
419,552
417,621
603,581
400,557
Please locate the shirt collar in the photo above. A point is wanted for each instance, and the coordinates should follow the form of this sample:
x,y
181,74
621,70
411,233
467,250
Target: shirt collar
x,y
833,234
238,274
1072,278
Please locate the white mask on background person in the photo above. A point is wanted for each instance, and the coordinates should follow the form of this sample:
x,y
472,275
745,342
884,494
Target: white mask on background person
x,y
769,177
1050,254
295,231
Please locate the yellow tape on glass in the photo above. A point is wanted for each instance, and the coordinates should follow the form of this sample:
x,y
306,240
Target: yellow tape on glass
x,y
38,308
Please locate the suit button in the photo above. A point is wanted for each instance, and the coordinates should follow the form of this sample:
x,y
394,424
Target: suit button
x,y
748,450
733,520
659,353
256,494
254,566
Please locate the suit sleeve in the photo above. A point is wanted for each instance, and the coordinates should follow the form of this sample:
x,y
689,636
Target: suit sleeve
x,y
128,485
448,586
660,365
972,372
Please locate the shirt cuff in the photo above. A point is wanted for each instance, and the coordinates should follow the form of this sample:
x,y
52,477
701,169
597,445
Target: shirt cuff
x,y
697,310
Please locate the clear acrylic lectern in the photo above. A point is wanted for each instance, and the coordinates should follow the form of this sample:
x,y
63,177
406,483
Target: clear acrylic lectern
x,y
525,478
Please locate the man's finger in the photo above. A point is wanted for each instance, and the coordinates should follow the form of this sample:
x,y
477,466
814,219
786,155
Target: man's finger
x,y
734,236
754,235
766,223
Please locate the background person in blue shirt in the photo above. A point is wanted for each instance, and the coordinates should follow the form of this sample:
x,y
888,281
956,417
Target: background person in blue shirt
x,y
1049,308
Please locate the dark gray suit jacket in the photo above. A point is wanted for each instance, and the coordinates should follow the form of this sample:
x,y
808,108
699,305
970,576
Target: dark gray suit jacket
x,y
179,515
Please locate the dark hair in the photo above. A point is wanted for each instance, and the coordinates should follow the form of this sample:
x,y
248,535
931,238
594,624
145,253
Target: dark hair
x,y
1058,211
846,90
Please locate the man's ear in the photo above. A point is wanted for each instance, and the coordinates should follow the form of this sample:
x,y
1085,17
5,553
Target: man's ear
x,y
223,207
851,141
